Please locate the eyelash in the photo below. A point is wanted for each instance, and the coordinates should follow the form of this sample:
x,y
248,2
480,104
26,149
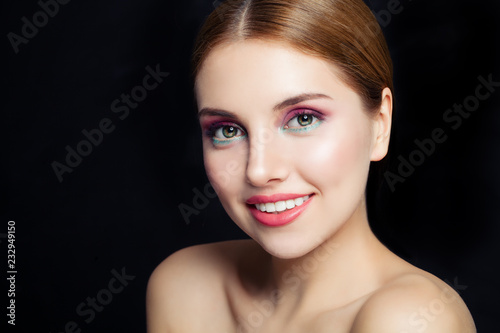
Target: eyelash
x,y
212,130
317,119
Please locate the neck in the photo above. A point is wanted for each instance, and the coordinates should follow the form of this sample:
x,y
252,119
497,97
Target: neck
x,y
345,259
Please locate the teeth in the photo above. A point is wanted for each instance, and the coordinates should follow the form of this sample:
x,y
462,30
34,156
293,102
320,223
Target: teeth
x,y
299,201
270,207
280,206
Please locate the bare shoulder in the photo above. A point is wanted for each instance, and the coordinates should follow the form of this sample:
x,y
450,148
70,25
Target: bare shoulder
x,y
191,283
414,302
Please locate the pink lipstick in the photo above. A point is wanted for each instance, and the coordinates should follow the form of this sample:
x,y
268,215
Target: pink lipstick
x,y
278,209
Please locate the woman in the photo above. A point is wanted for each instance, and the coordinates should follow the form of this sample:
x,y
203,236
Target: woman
x,y
295,102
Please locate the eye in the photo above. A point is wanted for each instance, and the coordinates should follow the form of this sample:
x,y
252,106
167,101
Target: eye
x,y
225,133
302,121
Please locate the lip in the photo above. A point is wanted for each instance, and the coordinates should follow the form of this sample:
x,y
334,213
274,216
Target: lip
x,y
281,218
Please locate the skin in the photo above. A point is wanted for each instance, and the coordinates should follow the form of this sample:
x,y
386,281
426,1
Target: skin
x,y
325,271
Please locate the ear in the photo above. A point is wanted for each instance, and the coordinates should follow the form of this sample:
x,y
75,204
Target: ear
x,y
382,127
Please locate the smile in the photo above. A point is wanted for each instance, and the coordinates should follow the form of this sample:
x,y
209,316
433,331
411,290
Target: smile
x,y
281,206
278,210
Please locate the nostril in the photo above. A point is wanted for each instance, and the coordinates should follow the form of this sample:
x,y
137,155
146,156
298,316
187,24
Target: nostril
x,y
266,167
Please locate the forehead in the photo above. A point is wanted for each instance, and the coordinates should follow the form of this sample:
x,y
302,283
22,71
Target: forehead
x,y
259,72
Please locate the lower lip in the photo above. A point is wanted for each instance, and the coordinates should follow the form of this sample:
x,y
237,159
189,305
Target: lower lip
x,y
281,218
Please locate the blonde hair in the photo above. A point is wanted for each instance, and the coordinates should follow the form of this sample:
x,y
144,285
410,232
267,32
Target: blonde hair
x,y
343,32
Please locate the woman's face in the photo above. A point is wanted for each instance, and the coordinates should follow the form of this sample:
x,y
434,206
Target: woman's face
x,y
280,127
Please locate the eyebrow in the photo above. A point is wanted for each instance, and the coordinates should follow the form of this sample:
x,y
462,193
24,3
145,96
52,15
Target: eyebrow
x,y
280,106
215,112
298,99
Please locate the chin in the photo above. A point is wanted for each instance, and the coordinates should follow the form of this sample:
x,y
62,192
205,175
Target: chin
x,y
285,246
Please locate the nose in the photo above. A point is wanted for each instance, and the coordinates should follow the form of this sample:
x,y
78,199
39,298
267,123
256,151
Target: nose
x,y
267,161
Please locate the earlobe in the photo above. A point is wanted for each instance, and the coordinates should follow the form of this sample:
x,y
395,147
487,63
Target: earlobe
x,y
382,126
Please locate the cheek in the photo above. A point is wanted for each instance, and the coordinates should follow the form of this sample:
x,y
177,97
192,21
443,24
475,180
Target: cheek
x,y
224,168
340,156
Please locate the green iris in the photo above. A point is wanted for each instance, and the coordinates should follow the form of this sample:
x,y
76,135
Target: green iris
x,y
304,119
229,131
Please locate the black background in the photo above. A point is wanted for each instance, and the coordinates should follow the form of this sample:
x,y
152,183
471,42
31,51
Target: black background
x,y
119,207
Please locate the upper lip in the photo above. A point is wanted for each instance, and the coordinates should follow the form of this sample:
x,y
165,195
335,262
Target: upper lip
x,y
258,199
